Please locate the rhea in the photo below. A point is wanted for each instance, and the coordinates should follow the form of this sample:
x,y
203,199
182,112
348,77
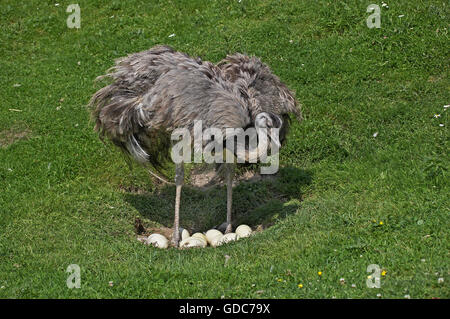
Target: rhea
x,y
154,92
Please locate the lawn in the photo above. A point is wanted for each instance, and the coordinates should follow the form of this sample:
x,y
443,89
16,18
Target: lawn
x,y
364,178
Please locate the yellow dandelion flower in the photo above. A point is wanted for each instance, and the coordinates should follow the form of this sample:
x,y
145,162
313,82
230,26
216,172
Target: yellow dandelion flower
x,y
383,273
381,223
300,286
319,273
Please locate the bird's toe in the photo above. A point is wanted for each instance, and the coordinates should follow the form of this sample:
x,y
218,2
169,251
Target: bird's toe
x,y
229,229
175,242
175,239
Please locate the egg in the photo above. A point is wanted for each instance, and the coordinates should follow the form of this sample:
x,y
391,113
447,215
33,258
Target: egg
x,y
193,242
243,231
228,238
157,240
211,234
201,236
216,241
184,233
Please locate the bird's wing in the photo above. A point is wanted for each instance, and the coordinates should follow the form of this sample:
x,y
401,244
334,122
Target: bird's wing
x,y
266,92
185,95
115,107
136,73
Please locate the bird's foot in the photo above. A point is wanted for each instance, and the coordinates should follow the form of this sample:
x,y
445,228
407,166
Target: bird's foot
x,y
224,227
175,242
228,229
175,239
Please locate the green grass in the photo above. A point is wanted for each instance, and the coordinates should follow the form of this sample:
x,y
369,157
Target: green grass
x,y
65,198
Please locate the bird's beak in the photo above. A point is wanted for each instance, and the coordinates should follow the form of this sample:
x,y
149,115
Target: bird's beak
x,y
275,140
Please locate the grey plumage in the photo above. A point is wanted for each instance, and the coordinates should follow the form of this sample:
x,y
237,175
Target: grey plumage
x,y
266,93
265,90
156,91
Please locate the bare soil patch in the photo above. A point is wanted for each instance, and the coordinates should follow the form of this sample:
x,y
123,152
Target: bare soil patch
x,y
12,135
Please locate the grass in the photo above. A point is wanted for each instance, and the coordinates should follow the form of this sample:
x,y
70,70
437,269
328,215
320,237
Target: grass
x,y
68,199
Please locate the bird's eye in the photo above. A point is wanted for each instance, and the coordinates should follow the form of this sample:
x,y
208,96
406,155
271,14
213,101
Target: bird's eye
x,y
261,120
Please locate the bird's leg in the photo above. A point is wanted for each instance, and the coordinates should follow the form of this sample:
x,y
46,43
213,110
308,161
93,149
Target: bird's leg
x,y
179,179
229,174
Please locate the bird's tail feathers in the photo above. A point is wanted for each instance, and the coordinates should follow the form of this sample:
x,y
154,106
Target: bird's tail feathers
x,y
135,150
120,118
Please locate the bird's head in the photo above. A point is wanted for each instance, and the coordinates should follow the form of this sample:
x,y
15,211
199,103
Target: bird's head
x,y
266,121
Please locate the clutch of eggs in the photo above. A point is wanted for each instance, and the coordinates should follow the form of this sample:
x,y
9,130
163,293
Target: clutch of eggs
x,y
213,237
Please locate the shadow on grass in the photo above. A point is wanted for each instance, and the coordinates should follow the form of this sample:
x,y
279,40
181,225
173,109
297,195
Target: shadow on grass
x,y
256,202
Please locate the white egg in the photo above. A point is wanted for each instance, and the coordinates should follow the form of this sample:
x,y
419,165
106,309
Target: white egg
x,y
157,240
228,238
216,241
213,233
184,233
201,236
243,231
193,242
